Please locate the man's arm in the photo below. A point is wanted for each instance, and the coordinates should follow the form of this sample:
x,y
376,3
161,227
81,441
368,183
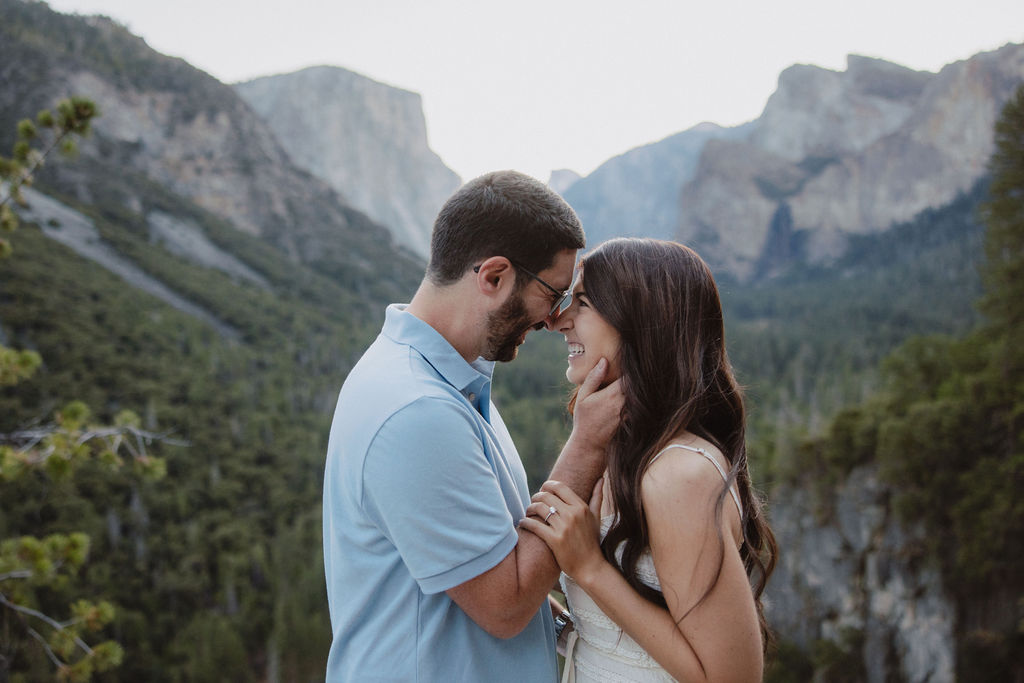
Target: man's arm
x,y
504,599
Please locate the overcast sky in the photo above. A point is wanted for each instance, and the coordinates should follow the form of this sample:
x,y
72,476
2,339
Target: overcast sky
x,y
539,85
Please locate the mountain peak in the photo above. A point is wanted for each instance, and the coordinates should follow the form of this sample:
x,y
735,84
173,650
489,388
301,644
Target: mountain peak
x,y
706,127
366,139
821,112
562,179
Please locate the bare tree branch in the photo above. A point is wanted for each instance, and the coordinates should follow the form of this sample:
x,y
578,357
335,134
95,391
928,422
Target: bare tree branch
x,y
33,613
46,646
26,439
49,621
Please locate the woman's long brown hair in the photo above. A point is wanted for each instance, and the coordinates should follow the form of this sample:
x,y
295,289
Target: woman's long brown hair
x,y
661,298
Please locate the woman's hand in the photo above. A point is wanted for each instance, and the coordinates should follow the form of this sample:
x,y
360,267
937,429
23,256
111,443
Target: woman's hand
x,y
572,531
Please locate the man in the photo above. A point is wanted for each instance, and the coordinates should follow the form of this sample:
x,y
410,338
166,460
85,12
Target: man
x,y
428,576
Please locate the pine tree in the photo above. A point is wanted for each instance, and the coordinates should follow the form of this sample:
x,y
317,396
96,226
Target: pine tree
x,y
31,566
1004,215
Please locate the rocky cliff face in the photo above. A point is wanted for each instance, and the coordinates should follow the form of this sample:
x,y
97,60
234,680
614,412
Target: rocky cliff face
x,y
836,154
365,139
816,112
637,193
222,157
851,574
832,154
166,124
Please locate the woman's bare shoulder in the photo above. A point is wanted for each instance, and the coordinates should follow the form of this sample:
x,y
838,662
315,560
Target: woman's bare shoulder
x,y
682,486
681,470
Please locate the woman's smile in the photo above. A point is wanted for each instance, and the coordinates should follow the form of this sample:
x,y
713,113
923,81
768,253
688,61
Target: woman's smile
x,y
583,328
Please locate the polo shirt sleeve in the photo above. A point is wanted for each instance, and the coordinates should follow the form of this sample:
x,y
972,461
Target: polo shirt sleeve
x,y
430,487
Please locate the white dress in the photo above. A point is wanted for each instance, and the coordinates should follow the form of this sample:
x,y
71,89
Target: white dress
x,y
598,651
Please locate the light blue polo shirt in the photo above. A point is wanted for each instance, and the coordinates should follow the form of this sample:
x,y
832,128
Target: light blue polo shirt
x,y
422,492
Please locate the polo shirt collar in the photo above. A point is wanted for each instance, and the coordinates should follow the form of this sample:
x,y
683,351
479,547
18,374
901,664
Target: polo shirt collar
x,y
468,378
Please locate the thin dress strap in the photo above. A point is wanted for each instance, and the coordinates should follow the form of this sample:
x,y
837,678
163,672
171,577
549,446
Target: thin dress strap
x,y
714,462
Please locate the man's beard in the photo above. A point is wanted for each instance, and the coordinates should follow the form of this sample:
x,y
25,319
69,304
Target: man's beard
x,y
507,325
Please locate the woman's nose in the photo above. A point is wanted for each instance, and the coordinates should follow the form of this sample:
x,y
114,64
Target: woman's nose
x,y
558,321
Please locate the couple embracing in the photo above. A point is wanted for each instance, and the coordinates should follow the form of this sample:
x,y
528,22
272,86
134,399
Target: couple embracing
x,y
440,563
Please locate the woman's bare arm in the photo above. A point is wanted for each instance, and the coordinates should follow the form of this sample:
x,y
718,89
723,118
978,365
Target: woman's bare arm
x,y
719,640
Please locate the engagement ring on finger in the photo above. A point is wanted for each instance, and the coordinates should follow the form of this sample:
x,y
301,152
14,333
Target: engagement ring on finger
x,y
551,511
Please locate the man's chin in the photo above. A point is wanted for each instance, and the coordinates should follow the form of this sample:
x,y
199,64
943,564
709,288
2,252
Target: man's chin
x,y
508,351
505,354
508,355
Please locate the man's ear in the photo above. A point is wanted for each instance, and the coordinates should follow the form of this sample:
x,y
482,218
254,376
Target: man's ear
x,y
495,275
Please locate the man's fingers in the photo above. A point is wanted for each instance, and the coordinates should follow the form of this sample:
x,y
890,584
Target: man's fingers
x,y
594,378
596,497
614,388
535,526
561,491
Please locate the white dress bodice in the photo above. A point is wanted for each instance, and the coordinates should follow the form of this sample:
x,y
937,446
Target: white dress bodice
x,y
602,652
599,651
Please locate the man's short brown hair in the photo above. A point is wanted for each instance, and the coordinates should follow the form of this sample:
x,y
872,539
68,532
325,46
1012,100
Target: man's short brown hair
x,y
504,213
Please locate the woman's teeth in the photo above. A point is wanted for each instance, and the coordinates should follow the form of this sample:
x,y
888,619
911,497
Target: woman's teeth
x,y
575,349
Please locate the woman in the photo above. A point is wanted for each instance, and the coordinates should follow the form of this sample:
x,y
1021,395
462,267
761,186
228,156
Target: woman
x,y
658,569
